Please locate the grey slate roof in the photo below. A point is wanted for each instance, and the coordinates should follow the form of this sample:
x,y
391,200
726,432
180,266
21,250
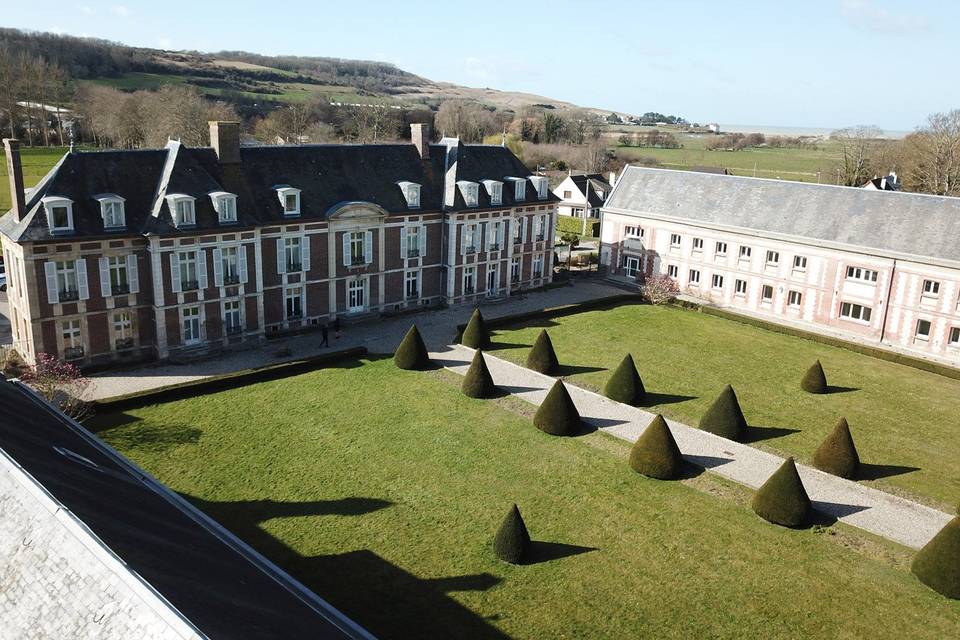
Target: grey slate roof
x,y
597,183
326,174
907,225
215,586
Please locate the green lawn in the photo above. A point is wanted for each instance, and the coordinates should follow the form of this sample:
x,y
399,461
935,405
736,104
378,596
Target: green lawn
x,y
381,489
37,161
904,421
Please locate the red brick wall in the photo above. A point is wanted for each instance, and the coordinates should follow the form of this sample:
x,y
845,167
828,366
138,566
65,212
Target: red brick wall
x,y
214,323
273,306
48,331
317,298
431,281
172,321
98,331
250,313
268,253
394,289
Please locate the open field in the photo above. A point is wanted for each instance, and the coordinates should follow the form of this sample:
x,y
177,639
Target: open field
x,y
381,489
904,421
787,164
37,161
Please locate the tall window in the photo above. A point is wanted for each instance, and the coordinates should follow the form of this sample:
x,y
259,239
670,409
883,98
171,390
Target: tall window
x,y
191,325
631,266
413,242
698,244
412,284
291,204
469,279
673,271
923,329
740,287
67,280
931,288
515,269
766,293
185,212
745,252
188,270
794,298
542,229
294,302
229,260
518,231
112,211
470,238
954,336
293,253
773,258
356,247
226,208
122,330
675,240
60,217
538,266
800,263
493,244
72,339
861,274
694,277
851,311
717,281
231,317
118,274
721,249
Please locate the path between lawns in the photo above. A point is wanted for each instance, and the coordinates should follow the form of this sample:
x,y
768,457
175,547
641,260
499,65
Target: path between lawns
x,y
892,517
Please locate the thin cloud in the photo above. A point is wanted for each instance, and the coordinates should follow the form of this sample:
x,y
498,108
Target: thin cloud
x,y
866,15
120,10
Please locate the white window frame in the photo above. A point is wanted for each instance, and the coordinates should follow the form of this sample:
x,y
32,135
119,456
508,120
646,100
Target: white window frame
x,y
50,204
794,298
772,259
230,309
720,249
469,276
225,205
186,260
633,232
183,209
119,274
745,253
764,298
716,282
283,192
470,192
954,337
693,277
71,332
923,336
847,312
697,245
740,287
192,312
630,271
673,271
67,275
538,266
495,191
675,240
861,274
122,322
358,285
799,263
414,278
293,296
541,228
357,244
516,269
931,289
112,211
293,254
519,188
230,264
411,193
411,241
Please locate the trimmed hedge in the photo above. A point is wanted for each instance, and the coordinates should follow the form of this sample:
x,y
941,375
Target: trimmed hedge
x,y
412,353
655,453
724,417
782,499
512,541
571,224
557,415
542,358
478,383
232,380
476,335
814,380
837,454
937,564
625,384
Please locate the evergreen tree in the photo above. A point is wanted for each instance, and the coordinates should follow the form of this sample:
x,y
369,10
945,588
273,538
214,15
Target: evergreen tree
x,y
814,380
837,454
557,415
542,357
412,353
655,453
625,384
937,564
782,499
512,541
475,335
478,383
724,417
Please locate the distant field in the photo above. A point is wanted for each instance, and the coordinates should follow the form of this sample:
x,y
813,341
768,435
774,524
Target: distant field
x,y
36,163
805,165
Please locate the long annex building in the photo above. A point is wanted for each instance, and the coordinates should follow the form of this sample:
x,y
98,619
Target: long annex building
x,y
876,266
160,253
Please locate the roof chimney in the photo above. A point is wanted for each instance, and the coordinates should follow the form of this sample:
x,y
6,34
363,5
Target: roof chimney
x,y
420,136
11,147
225,140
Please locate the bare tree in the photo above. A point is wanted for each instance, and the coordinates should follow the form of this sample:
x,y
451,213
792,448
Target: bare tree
x,y
857,144
933,155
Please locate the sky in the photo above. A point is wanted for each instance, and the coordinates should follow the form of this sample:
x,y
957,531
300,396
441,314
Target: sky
x,y
819,63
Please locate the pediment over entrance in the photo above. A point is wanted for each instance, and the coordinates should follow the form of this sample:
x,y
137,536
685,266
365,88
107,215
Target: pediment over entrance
x,y
356,210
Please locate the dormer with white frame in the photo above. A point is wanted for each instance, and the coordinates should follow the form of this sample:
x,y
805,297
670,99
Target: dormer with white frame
x,y
470,192
59,212
182,209
542,186
112,211
495,191
289,199
411,191
519,188
225,204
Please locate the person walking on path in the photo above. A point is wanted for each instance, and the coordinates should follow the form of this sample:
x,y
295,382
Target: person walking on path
x,y
336,327
325,335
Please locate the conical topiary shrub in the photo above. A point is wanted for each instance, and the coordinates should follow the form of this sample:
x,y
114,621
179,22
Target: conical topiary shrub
x,y
782,499
625,384
837,454
412,353
475,335
724,417
655,453
814,380
478,383
937,565
557,415
542,357
512,540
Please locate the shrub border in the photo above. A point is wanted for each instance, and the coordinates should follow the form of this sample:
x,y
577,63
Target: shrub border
x,y
863,349
225,381
558,311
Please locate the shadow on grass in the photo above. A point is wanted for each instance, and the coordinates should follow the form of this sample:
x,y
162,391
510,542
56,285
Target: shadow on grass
x,y
869,471
652,399
124,431
835,389
497,345
756,434
827,513
572,370
379,595
546,551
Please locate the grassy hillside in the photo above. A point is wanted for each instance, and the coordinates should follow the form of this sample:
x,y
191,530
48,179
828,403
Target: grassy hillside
x,y
36,163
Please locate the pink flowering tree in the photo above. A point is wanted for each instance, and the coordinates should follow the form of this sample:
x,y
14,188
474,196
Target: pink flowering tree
x,y
659,289
61,384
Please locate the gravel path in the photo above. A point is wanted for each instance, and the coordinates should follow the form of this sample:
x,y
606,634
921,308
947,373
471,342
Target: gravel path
x,y
892,517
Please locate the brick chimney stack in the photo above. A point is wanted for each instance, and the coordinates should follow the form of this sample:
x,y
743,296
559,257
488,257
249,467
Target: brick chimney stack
x,y
225,140
11,148
420,135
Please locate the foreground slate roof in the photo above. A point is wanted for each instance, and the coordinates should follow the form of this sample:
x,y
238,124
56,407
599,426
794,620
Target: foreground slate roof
x,y
597,183
196,566
919,227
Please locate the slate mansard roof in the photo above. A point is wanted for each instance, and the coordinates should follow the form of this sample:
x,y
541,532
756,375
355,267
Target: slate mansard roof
x,y
597,183
200,569
912,226
326,175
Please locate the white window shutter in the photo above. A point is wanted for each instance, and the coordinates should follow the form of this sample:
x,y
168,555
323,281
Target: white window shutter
x,y
485,235
175,272
403,242
346,249
202,268
82,279
242,262
305,252
281,258
105,289
463,240
500,229
422,239
217,267
368,247
53,293
133,274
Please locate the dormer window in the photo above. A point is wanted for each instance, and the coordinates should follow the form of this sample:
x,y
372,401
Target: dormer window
x,y
541,184
289,199
519,189
470,191
182,209
411,191
111,210
59,214
226,206
495,191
